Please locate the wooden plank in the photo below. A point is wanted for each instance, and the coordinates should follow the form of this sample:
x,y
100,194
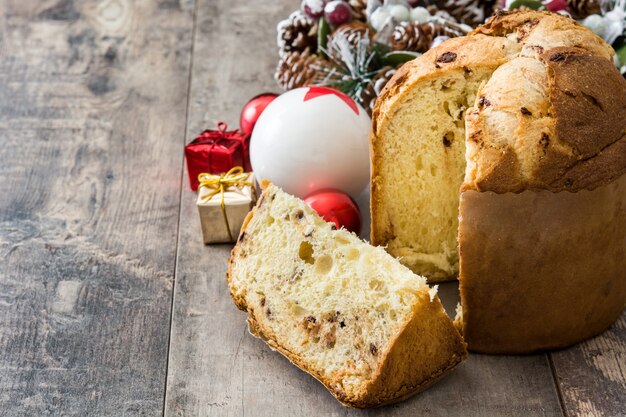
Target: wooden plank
x,y
592,375
93,103
216,368
234,59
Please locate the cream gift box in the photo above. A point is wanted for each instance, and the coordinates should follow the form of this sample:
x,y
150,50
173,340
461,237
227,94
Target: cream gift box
x,y
223,203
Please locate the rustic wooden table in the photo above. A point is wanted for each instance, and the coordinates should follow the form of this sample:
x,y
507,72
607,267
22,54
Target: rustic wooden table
x,y
110,304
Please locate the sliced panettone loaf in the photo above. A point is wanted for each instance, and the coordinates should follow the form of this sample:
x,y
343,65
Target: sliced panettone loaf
x,y
419,129
344,311
419,153
510,142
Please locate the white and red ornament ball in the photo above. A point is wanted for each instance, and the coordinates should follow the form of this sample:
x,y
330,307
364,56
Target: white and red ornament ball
x,y
336,207
312,138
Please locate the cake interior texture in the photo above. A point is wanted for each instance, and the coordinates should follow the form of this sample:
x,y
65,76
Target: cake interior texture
x,y
331,303
307,286
426,142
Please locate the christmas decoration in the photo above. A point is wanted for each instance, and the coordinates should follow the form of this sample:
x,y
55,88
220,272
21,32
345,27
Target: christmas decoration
x,y
470,12
351,68
346,44
614,16
297,33
320,142
253,109
223,203
300,69
411,36
359,9
391,14
314,9
580,9
337,12
379,18
442,14
609,23
215,152
374,88
399,12
336,207
352,32
595,22
407,36
524,5
419,15
556,5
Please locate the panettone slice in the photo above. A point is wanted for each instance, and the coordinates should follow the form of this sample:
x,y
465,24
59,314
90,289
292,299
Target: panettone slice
x,y
344,311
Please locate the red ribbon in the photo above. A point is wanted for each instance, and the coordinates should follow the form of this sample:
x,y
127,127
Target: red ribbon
x,y
221,134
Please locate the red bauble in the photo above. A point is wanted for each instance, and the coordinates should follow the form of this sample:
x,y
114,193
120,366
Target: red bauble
x,y
337,207
556,5
337,12
253,109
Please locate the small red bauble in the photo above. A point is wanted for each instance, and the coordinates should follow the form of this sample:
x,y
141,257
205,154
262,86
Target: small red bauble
x,y
337,12
253,109
337,207
556,5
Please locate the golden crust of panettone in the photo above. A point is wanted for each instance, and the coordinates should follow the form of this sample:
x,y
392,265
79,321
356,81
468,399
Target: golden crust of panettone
x,y
584,108
536,30
554,123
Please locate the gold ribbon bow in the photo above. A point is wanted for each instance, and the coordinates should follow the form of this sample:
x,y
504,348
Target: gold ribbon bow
x,y
235,177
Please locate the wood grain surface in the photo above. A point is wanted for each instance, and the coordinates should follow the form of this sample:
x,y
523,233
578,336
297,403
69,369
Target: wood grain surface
x,y
216,368
592,374
93,101
97,99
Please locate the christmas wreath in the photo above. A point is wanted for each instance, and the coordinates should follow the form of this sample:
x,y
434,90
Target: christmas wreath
x,y
356,46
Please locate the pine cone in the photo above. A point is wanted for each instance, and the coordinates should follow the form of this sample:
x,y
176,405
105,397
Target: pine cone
x,y
296,33
470,12
352,32
298,69
583,8
373,89
444,14
416,37
358,9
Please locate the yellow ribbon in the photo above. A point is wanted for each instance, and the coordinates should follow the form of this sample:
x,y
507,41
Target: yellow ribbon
x,y
235,177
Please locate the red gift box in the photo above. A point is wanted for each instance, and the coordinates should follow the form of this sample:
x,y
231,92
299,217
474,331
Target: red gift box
x,y
217,151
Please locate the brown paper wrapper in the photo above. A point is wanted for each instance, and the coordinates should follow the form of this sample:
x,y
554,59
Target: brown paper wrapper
x,y
541,270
